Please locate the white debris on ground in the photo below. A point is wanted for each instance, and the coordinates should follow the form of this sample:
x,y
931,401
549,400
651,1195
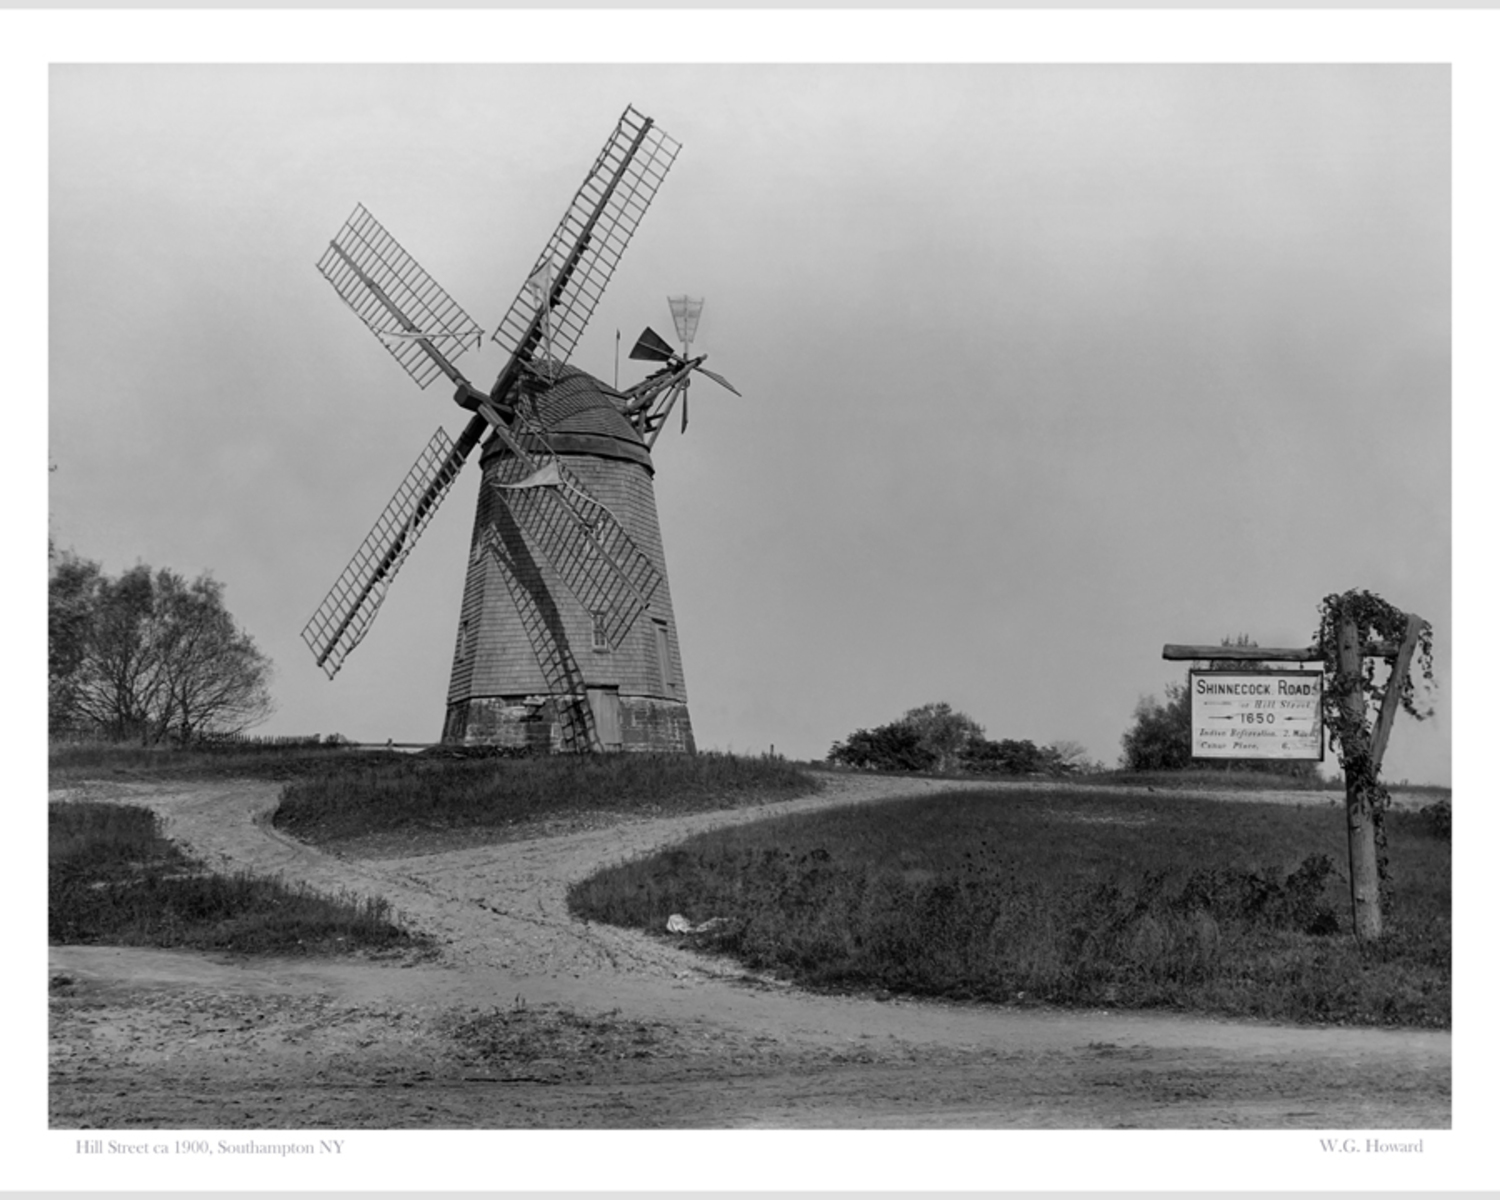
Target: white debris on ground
x,y
677,923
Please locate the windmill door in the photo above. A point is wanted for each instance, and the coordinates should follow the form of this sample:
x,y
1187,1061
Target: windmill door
x,y
605,704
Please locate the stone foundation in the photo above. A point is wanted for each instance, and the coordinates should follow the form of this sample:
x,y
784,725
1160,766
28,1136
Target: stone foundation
x,y
659,725
646,724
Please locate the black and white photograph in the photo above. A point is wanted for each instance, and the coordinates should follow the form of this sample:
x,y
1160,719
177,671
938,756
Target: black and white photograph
x,y
643,595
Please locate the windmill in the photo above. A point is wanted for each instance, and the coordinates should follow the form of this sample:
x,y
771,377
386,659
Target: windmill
x,y
650,402
566,636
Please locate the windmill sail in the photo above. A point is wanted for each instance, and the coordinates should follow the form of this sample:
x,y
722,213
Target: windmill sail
x,y
425,330
350,606
584,250
420,325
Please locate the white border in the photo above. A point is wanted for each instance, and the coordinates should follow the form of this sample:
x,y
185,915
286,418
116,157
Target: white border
x,y
30,41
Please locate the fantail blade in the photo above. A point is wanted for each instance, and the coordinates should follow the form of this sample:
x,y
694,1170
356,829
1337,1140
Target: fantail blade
x,y
652,347
720,380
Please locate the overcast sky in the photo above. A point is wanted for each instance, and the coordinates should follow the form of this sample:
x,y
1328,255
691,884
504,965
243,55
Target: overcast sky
x,y
1043,367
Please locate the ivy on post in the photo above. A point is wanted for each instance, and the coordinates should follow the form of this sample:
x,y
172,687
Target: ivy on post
x,y
1351,625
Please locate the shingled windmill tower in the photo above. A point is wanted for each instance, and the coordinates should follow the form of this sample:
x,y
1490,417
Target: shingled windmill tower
x,y
566,637
529,646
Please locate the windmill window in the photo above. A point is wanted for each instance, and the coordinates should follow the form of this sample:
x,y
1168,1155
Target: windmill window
x,y
663,656
601,642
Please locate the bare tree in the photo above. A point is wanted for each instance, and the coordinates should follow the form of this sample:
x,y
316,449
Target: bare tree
x,y
161,657
1070,756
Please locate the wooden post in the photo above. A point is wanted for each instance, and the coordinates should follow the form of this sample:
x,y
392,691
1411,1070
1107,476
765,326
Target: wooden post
x,y
1393,687
1359,801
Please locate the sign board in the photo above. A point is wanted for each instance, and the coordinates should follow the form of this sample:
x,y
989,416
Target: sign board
x,y
1257,714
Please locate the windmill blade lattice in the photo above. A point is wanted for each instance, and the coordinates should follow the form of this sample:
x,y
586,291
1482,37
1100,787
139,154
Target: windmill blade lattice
x,y
558,665
420,325
593,555
587,245
595,558
343,618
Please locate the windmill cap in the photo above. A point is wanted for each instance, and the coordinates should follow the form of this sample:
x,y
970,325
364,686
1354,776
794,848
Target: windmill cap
x,y
582,416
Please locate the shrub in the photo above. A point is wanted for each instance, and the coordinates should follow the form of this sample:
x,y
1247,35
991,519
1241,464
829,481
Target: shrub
x,y
1438,819
893,747
1010,756
936,737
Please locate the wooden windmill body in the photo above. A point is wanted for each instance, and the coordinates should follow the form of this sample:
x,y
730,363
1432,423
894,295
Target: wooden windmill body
x,y
567,639
528,651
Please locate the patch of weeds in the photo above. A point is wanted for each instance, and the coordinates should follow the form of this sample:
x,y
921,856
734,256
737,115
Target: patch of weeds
x,y
526,1036
1188,905
1296,903
114,880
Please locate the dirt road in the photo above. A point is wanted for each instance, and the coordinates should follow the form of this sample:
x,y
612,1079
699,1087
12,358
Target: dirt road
x,y
585,1025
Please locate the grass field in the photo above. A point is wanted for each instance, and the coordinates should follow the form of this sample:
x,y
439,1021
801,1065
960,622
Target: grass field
x,y
352,800
69,762
337,794
114,880
1067,898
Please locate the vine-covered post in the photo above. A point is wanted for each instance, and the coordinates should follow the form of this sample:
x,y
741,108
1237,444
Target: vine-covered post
x,y
1400,669
1361,802
1354,629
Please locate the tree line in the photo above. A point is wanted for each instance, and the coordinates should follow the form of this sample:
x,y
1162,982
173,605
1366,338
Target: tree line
x,y
938,738
147,656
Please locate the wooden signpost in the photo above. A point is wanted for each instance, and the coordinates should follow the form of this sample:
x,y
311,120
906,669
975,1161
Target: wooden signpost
x,y
1360,750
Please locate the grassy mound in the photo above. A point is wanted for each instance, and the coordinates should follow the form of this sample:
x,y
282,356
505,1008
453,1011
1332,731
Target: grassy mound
x,y
114,880
418,793
1066,898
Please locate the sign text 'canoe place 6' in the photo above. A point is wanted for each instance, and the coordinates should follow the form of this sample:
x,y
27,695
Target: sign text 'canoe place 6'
x,y
1260,714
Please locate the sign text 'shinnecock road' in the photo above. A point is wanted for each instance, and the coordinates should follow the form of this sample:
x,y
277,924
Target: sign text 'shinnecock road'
x,y
1261,714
